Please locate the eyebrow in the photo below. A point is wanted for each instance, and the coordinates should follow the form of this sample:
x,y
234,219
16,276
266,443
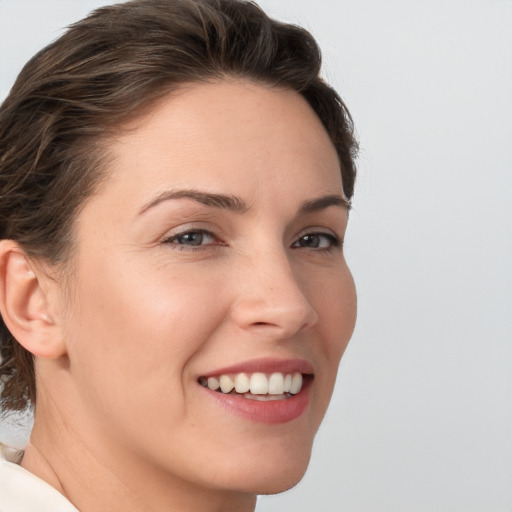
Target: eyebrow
x,y
324,202
226,202
238,205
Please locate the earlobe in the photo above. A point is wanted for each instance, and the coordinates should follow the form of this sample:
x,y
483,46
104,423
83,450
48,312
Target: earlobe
x,y
25,303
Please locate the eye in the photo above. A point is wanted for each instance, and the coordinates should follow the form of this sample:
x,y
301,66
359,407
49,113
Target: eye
x,y
317,241
192,238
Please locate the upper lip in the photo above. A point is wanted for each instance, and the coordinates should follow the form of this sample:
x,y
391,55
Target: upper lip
x,y
265,365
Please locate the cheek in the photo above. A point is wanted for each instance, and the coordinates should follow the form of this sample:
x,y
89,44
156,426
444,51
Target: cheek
x,y
336,305
135,328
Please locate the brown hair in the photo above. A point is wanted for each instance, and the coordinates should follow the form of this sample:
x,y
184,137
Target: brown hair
x,y
102,72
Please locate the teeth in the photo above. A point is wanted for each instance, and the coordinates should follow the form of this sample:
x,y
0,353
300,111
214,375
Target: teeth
x,y
265,398
226,384
296,383
287,383
259,384
213,383
275,386
242,383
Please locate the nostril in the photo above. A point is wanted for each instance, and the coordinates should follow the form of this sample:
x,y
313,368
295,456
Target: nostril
x,y
262,308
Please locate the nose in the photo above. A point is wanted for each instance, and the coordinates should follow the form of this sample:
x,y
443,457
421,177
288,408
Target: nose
x,y
269,298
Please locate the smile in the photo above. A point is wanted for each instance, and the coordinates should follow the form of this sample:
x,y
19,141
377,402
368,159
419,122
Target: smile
x,y
261,390
256,386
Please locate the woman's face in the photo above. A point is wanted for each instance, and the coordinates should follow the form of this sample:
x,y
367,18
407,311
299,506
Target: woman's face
x,y
214,249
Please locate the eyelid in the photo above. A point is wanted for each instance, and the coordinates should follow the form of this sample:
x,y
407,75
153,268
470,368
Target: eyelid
x,y
318,230
336,241
170,237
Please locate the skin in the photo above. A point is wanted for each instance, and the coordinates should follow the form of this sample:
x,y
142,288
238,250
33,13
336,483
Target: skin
x,y
146,313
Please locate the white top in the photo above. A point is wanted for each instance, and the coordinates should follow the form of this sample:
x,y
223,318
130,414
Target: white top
x,y
21,491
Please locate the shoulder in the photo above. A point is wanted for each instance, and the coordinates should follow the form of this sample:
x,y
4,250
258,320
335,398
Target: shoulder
x,y
21,491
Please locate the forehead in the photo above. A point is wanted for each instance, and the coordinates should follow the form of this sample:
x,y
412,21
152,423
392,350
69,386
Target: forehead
x,y
235,134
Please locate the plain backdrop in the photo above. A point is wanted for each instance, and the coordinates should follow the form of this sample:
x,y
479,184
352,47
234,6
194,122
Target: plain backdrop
x,y
421,420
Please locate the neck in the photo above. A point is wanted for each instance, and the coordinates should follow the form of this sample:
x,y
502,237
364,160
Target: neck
x,y
97,476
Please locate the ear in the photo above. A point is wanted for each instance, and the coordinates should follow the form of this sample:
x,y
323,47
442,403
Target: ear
x,y
26,303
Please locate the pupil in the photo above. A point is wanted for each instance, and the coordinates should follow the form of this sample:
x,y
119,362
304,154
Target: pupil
x,y
192,238
310,241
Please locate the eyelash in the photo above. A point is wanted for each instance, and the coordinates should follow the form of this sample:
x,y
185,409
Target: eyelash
x,y
333,241
172,240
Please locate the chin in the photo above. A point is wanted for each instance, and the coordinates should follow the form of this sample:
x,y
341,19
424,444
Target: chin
x,y
282,484
272,476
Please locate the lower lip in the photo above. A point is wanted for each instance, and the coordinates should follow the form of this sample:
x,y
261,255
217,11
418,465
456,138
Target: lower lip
x,y
272,411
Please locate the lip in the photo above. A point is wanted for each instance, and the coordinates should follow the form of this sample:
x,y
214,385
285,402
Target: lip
x,y
270,412
265,366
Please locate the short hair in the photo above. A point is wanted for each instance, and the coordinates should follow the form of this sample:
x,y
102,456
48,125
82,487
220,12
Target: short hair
x,y
106,70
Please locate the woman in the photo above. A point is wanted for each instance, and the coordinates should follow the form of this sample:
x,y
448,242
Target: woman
x,y
175,181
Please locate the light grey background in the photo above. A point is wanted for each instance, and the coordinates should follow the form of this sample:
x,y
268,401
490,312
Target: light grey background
x,y
421,420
